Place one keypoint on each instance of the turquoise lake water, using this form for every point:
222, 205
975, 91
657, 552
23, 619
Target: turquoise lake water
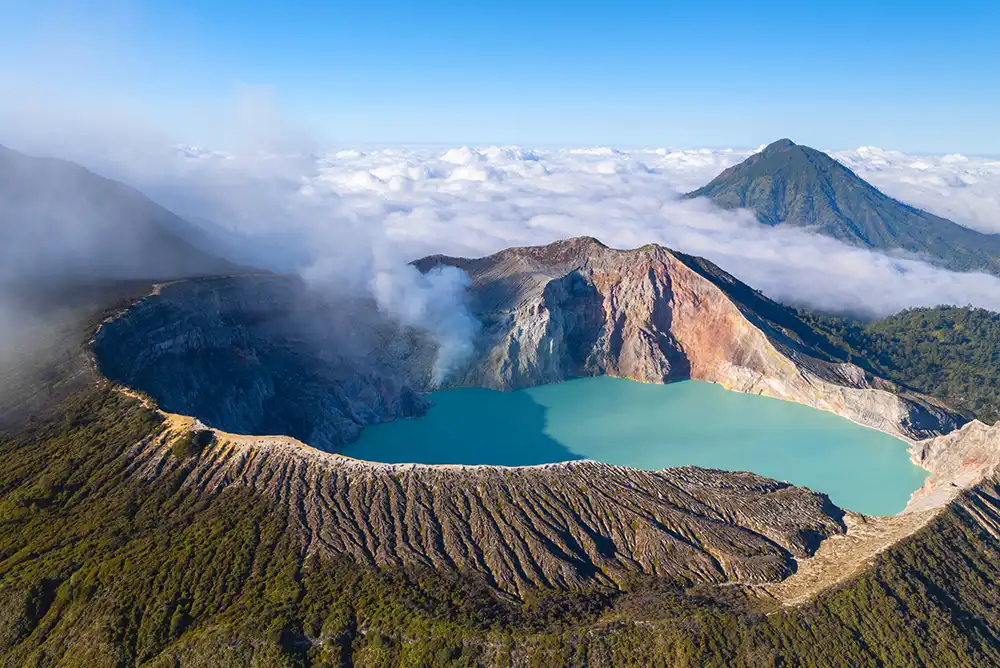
652, 427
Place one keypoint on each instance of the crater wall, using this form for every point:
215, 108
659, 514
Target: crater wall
265, 355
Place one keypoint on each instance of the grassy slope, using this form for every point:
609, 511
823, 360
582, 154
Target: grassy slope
98, 568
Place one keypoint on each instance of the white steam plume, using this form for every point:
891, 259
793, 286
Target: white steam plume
432, 301
354, 259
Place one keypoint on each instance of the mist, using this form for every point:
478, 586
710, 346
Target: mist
68, 226
355, 212
349, 221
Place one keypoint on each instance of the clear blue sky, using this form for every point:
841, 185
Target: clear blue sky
916, 76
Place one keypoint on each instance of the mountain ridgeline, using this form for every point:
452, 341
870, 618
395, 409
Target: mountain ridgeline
126, 540
73, 240
63, 223
790, 184
242, 354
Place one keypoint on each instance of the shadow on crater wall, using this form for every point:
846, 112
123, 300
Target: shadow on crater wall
470, 426
262, 355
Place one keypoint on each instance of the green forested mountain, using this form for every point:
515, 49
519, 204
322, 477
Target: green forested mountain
789, 184
949, 352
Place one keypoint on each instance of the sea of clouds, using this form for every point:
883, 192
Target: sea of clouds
963, 189
349, 220
310, 209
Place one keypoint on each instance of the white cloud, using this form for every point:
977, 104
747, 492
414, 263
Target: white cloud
292, 207
477, 200
961, 188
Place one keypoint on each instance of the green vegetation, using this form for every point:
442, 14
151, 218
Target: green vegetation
101, 567
790, 184
102, 564
51, 359
948, 352
192, 443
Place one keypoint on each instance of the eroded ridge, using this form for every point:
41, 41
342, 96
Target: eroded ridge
571, 525
981, 506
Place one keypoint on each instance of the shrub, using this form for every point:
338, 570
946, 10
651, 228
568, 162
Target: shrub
192, 443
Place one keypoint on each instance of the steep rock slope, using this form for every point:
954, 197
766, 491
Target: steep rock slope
264, 355
957, 461
579, 308
789, 184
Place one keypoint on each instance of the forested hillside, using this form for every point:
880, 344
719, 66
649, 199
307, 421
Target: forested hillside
100, 569
949, 352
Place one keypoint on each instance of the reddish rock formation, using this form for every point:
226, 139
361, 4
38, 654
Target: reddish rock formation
579, 308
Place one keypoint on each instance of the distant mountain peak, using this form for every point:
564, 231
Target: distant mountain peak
780, 144
791, 184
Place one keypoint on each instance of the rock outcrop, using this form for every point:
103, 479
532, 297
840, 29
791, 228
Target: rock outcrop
957, 461
579, 308
264, 355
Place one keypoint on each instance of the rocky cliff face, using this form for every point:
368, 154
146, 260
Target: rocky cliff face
957, 461
264, 355
579, 308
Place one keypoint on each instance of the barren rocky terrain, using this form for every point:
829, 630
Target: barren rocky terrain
572, 525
